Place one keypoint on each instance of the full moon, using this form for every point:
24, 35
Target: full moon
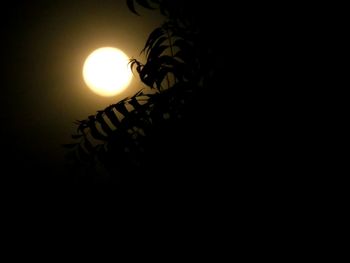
106, 71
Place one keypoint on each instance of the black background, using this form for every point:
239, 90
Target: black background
241, 142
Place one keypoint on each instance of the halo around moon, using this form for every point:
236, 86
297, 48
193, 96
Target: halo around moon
106, 71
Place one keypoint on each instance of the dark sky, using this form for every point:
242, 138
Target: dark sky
44, 45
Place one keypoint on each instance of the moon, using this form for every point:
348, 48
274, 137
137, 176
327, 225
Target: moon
106, 71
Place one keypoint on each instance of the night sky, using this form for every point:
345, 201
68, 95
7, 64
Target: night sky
239, 156
236, 166
44, 45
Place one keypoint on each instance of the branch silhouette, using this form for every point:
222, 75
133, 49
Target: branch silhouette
178, 67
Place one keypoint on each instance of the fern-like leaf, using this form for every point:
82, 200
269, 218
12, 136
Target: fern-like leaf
153, 37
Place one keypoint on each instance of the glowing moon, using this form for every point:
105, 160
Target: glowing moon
106, 71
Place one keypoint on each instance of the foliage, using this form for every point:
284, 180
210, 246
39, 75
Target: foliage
174, 72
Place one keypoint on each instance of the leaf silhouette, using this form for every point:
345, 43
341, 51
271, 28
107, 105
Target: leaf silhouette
155, 44
183, 45
156, 52
161, 76
95, 133
88, 146
130, 4
145, 4
153, 37
177, 63
105, 127
169, 60
135, 103
112, 117
121, 107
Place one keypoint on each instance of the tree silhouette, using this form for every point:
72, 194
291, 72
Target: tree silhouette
154, 128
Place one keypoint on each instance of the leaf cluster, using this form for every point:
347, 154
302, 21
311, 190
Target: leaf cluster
175, 70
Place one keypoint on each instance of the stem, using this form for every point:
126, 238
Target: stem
171, 53
170, 43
